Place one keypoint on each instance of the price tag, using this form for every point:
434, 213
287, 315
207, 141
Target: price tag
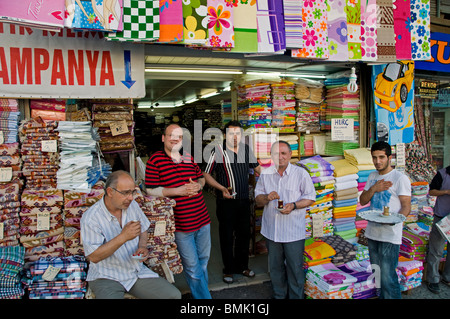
160, 228
50, 146
5, 174
2, 230
43, 221
317, 225
50, 273
118, 128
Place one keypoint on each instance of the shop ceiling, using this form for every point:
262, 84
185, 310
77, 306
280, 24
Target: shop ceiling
176, 75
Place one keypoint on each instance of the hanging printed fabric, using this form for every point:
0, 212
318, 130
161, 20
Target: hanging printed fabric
385, 32
195, 22
271, 36
46, 14
94, 15
220, 24
353, 9
170, 21
369, 30
140, 21
293, 23
337, 30
245, 27
420, 30
402, 13
315, 31
394, 101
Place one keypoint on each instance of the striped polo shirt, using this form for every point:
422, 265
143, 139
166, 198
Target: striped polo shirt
161, 171
232, 168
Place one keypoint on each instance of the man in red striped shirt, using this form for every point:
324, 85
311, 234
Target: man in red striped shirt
172, 174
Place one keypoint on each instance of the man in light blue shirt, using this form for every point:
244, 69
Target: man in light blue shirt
113, 232
284, 228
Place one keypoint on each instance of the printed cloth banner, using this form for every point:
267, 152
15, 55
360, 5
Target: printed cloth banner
420, 30
271, 36
369, 30
353, 9
140, 21
245, 27
94, 15
170, 21
402, 13
195, 22
394, 101
293, 23
42, 13
337, 30
385, 31
315, 31
220, 24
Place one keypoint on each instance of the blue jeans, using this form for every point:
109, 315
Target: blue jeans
194, 248
286, 269
384, 259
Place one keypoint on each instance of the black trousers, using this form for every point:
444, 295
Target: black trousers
234, 233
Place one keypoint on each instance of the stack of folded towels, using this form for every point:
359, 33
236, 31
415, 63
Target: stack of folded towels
345, 198
345, 251
413, 246
409, 273
364, 287
317, 252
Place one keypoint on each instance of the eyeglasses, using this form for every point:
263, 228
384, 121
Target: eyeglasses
126, 193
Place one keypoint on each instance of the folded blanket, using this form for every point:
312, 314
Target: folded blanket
343, 167
345, 185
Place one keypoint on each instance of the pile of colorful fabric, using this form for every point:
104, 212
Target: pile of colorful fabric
364, 287
419, 193
321, 173
77, 147
11, 265
362, 252
39, 152
409, 273
345, 198
75, 204
413, 246
9, 211
345, 251
115, 126
283, 106
9, 120
164, 258
362, 159
326, 281
57, 278
426, 215
41, 223
48, 109
292, 139
255, 104
317, 252
308, 117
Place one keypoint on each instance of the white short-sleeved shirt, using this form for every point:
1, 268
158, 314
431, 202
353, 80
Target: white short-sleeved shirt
401, 186
294, 185
99, 226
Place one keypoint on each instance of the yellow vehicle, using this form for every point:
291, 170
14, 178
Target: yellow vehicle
392, 86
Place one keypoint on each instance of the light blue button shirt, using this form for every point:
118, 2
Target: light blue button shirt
99, 226
294, 185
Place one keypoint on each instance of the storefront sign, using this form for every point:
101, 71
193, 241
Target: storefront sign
440, 54
443, 98
342, 130
428, 89
37, 63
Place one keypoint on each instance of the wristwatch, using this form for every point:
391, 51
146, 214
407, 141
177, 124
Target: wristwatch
295, 205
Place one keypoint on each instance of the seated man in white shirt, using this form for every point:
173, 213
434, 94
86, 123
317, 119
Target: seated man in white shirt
113, 230
284, 228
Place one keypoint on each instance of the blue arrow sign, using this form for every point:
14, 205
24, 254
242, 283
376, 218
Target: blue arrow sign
127, 61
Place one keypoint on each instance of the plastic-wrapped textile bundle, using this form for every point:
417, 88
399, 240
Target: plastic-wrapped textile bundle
66, 281
409, 273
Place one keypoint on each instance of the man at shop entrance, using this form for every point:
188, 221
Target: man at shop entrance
283, 224
172, 174
231, 162
113, 231
386, 187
